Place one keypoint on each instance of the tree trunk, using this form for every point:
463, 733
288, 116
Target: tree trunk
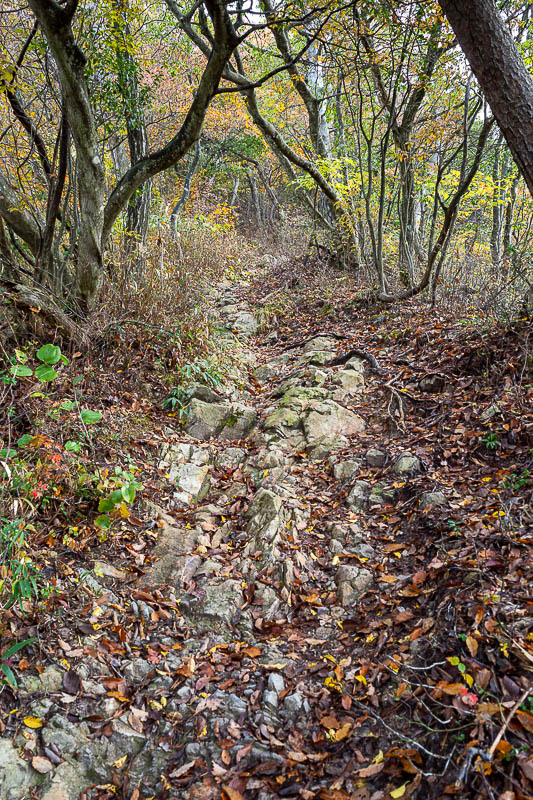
501, 72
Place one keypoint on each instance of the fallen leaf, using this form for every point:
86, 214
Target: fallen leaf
33, 722
71, 682
183, 770
233, 794
400, 791
371, 770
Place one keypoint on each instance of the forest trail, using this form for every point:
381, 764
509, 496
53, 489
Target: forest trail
275, 642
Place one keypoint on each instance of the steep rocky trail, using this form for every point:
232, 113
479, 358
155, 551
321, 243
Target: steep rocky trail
258, 666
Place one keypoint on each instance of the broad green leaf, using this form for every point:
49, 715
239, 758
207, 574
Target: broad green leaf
72, 447
68, 405
45, 373
24, 440
128, 493
103, 522
21, 371
90, 417
109, 503
106, 504
49, 353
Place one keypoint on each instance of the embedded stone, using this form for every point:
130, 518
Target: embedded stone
407, 464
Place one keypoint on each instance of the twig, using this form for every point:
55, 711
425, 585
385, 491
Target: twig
523, 697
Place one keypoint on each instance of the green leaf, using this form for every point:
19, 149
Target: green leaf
128, 493
103, 522
453, 660
16, 647
10, 675
20, 371
109, 503
24, 440
7, 452
77, 379
64, 359
45, 374
68, 405
73, 447
90, 417
106, 504
49, 353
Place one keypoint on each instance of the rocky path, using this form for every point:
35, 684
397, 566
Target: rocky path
241, 678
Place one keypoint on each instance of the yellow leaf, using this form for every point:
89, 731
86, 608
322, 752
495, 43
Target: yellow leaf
361, 679
379, 758
342, 733
33, 722
119, 763
400, 791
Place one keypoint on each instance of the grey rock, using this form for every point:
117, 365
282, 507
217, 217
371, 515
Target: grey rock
282, 418
50, 680
320, 357
126, 739
319, 449
276, 682
136, 671
433, 383
230, 421
350, 380
216, 609
358, 496
330, 419
68, 738
294, 703
407, 464
192, 482
192, 750
199, 392
376, 458
319, 343
266, 372
431, 499
351, 583
271, 699
16, 775
299, 397
362, 549
68, 782
230, 458
265, 515
344, 470
381, 495
244, 323
146, 768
